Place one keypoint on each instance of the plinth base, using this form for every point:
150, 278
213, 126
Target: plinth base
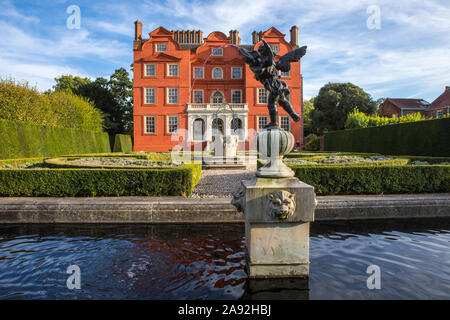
277, 213
271, 271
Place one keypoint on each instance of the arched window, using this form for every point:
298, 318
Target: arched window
217, 126
236, 128
199, 129
236, 124
217, 73
217, 97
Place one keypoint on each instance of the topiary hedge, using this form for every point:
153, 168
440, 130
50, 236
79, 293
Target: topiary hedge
22, 140
422, 138
99, 182
122, 143
334, 180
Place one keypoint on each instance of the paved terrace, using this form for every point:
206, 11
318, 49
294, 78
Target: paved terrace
209, 210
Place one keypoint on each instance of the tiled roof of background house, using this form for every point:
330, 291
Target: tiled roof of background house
409, 103
442, 101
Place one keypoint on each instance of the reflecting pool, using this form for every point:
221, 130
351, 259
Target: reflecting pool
208, 262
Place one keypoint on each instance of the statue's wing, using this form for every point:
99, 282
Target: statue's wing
249, 56
284, 64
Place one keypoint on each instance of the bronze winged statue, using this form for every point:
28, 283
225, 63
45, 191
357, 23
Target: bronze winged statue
266, 71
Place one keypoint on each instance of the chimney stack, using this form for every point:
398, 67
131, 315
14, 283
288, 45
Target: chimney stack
294, 36
254, 37
236, 34
137, 30
447, 88
234, 37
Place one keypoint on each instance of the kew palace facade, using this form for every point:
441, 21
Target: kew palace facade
188, 88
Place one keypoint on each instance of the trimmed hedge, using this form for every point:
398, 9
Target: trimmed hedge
334, 180
22, 140
18, 162
421, 138
99, 182
122, 143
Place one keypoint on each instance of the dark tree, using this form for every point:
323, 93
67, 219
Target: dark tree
113, 97
334, 102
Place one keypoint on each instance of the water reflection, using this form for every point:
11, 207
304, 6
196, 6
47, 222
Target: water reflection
208, 262
276, 289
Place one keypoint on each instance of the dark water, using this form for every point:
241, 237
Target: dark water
208, 262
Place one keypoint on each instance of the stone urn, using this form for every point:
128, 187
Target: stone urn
272, 144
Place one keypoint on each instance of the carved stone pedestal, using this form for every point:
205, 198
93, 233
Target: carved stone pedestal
277, 216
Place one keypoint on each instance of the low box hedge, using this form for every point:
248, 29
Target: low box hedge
18, 162
341, 180
177, 181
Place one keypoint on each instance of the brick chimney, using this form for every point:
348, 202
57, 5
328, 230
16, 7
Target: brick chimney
137, 30
294, 36
254, 37
234, 37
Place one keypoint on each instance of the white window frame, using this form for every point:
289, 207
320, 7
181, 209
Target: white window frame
168, 124
203, 96
257, 96
272, 46
288, 122
439, 114
154, 70
285, 76
240, 95
221, 72
158, 48
259, 117
240, 72
214, 52
168, 97
145, 125
212, 97
203, 72
168, 69
145, 96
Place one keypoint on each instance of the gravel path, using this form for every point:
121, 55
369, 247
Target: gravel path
220, 183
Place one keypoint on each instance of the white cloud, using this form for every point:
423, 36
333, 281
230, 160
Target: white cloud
36, 74
406, 57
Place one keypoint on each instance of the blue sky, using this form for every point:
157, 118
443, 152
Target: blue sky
408, 56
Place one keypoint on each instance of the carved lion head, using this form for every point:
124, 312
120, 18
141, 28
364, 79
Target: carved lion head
281, 204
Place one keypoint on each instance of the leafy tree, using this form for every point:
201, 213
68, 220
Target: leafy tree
121, 87
308, 106
113, 97
334, 102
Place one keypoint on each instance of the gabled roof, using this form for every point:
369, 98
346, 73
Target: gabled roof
161, 31
273, 33
409, 103
442, 101
163, 57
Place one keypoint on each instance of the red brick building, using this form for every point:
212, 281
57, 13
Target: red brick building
400, 107
190, 88
440, 106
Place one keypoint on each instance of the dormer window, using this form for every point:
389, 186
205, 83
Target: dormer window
217, 51
274, 48
161, 47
